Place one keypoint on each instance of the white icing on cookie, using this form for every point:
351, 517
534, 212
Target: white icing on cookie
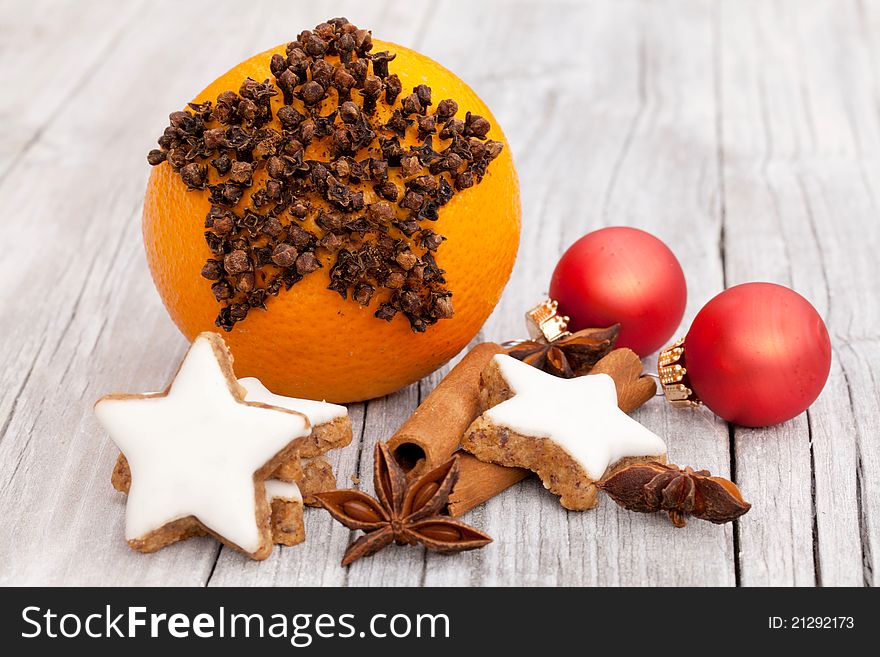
194, 450
318, 412
282, 490
580, 415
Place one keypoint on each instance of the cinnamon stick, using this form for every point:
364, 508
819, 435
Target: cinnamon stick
625, 367
479, 481
431, 435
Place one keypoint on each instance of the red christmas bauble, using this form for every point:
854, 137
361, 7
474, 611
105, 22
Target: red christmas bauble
757, 354
626, 276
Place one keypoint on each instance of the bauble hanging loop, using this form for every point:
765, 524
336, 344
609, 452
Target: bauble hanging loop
673, 376
544, 323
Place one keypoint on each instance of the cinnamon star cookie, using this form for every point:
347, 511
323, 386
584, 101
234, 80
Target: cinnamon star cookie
199, 455
569, 431
331, 429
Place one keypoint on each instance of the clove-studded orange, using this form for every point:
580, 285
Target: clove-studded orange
346, 208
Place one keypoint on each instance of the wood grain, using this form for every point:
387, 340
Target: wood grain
798, 196
743, 133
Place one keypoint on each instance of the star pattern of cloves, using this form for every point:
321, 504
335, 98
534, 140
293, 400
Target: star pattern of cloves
406, 513
324, 183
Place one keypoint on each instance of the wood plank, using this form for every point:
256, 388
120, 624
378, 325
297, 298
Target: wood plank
773, 465
93, 323
798, 124
641, 152
316, 562
840, 203
38, 75
34, 82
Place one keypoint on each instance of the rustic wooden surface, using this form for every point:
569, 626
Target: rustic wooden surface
744, 133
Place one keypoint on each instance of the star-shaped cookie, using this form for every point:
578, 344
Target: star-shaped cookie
331, 429
199, 455
569, 431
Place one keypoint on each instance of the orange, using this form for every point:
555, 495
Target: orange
310, 342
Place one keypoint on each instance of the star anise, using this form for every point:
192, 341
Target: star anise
650, 487
569, 356
405, 513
